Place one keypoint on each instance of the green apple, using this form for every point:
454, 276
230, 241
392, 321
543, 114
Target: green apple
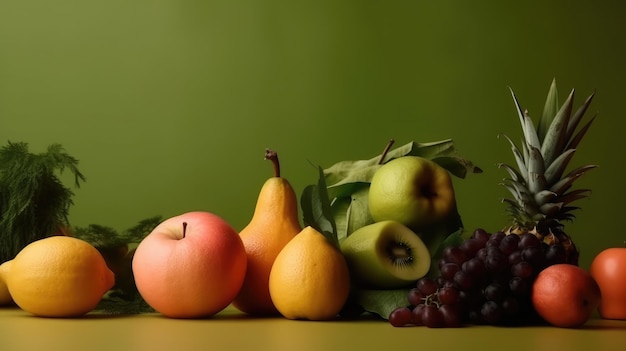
412, 190
385, 255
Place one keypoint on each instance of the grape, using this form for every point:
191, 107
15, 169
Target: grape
519, 286
452, 315
474, 267
515, 257
448, 270
400, 316
470, 299
495, 239
496, 262
522, 269
449, 296
471, 246
454, 254
474, 316
494, 292
481, 235
509, 244
415, 297
482, 254
510, 306
528, 240
491, 312
555, 254
432, 317
463, 280
534, 255
427, 286
416, 314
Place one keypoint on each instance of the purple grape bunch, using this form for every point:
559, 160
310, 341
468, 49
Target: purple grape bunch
487, 279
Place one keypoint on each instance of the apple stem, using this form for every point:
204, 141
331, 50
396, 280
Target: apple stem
184, 229
273, 156
387, 148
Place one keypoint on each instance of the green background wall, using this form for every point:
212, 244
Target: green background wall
169, 104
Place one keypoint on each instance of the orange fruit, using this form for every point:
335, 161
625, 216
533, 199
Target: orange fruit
608, 269
58, 276
274, 223
5, 296
565, 295
309, 278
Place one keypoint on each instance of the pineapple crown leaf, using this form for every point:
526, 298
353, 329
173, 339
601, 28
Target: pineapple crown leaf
557, 167
579, 114
520, 159
550, 109
556, 136
528, 128
545, 196
574, 195
581, 133
536, 170
515, 175
551, 209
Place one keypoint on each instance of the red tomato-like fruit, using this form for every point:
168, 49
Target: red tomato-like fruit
608, 269
565, 295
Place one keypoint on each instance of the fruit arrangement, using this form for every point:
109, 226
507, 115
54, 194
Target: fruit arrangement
494, 274
381, 236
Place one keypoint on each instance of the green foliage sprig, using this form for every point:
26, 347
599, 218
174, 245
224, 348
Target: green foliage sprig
34, 203
116, 248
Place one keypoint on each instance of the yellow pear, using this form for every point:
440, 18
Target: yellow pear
274, 223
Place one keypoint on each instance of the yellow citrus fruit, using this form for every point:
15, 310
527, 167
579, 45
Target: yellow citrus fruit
309, 278
5, 296
58, 276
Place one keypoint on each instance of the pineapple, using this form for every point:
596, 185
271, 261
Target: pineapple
541, 189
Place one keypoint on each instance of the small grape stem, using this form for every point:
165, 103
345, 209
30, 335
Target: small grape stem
384, 154
184, 229
273, 156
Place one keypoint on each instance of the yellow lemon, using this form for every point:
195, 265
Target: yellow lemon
309, 278
58, 276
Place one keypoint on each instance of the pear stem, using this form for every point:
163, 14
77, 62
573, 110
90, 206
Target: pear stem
387, 148
184, 229
273, 156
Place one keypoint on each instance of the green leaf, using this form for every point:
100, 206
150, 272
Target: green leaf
358, 214
381, 302
343, 178
456, 165
436, 252
316, 209
351, 212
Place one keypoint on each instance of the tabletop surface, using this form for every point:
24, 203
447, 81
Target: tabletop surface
232, 330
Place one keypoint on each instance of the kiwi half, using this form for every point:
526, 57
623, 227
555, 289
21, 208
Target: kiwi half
385, 255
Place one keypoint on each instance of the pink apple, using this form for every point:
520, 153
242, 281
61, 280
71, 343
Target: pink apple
190, 266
